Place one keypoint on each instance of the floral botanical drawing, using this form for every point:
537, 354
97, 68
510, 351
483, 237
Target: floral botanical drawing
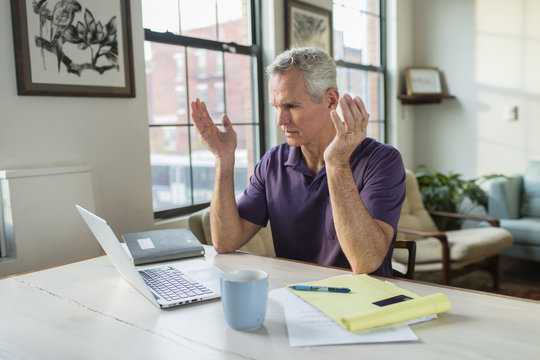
78, 40
310, 31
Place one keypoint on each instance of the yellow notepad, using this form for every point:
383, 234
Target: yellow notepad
355, 311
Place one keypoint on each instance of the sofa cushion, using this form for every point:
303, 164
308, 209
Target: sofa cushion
526, 231
531, 190
505, 197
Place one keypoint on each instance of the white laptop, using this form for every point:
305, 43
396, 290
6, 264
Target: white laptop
165, 285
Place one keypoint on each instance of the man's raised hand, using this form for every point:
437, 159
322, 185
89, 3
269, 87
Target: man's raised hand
350, 131
220, 143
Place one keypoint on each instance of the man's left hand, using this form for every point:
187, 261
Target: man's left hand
350, 131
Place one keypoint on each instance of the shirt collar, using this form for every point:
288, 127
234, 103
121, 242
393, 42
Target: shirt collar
295, 153
296, 161
295, 156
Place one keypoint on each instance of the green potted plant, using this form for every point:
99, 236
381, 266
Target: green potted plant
445, 192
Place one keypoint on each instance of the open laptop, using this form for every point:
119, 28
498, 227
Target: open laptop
187, 281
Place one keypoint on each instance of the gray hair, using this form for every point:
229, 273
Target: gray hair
318, 67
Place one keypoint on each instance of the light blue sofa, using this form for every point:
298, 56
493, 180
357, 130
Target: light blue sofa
516, 202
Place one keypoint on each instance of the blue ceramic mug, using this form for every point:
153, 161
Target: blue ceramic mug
244, 294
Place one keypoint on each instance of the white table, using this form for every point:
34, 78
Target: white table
85, 310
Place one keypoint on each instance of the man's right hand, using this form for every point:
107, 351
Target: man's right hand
229, 230
221, 143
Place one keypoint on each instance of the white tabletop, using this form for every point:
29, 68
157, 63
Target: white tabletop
85, 310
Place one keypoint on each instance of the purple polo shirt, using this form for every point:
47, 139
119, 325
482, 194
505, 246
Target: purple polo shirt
284, 191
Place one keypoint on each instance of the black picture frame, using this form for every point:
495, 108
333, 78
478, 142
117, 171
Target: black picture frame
308, 25
73, 47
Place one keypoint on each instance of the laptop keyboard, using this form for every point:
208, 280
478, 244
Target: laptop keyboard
172, 284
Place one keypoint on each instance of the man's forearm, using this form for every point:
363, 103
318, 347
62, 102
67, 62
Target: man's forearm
227, 228
364, 240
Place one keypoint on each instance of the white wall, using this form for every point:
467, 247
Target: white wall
108, 134
400, 54
488, 51
37, 217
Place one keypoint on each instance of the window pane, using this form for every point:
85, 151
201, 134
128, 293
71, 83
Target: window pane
356, 36
353, 82
246, 155
368, 85
161, 15
205, 71
239, 88
204, 163
198, 19
376, 96
169, 157
233, 21
166, 83
204, 168
183, 170
375, 130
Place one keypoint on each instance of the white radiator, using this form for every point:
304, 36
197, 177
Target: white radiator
38, 219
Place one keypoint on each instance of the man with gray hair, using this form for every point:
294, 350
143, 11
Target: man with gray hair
333, 196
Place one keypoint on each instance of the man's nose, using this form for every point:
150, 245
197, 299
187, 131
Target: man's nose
282, 117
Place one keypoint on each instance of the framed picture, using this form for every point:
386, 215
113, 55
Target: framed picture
423, 81
308, 25
73, 47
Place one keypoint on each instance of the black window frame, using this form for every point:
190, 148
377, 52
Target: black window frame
381, 69
254, 50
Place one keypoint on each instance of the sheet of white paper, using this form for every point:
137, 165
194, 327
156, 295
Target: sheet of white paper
307, 326
422, 319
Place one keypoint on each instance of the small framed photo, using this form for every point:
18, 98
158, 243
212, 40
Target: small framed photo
73, 47
308, 25
423, 81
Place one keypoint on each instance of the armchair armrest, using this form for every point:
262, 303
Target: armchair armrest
410, 245
439, 235
491, 220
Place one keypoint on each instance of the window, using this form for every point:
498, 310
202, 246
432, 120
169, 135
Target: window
360, 57
207, 49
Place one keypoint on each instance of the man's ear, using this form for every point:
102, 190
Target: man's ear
332, 96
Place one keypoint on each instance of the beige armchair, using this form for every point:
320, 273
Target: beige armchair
454, 252
262, 243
